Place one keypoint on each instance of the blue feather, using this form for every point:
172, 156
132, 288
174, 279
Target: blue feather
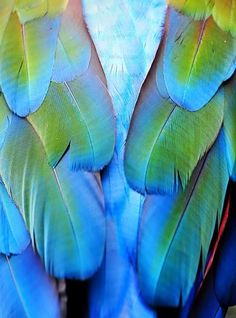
14, 237
25, 289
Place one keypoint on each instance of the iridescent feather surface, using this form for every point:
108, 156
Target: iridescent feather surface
117, 158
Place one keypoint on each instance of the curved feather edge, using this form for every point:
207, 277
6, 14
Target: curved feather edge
14, 237
81, 113
172, 139
192, 75
26, 290
63, 209
225, 261
206, 303
114, 289
26, 61
229, 124
30, 10
73, 51
198, 9
166, 269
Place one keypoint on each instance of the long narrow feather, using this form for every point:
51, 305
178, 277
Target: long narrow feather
73, 52
176, 231
63, 209
229, 124
25, 289
165, 142
14, 238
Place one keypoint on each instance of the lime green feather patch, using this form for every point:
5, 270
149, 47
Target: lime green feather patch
26, 61
28, 10
199, 9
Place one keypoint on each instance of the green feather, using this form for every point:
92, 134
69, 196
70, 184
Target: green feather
79, 114
165, 141
176, 231
229, 124
63, 209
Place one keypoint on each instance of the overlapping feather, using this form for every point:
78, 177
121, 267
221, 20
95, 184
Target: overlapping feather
198, 58
25, 288
165, 142
54, 203
176, 231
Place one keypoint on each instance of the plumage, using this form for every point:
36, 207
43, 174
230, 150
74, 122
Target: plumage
28, 10
229, 124
14, 238
197, 59
54, 203
117, 154
26, 290
173, 140
198, 9
224, 13
73, 52
26, 61
225, 261
166, 269
73, 109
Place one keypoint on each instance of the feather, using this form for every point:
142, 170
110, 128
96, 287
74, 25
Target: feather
28, 10
217, 291
63, 209
114, 291
176, 231
206, 303
229, 124
73, 52
6, 7
225, 263
224, 13
165, 141
121, 32
14, 237
80, 112
198, 9
197, 59
26, 61
26, 291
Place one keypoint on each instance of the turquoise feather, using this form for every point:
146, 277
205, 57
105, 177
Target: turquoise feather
167, 266
14, 238
26, 290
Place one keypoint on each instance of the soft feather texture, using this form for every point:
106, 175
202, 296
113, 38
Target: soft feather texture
115, 291
68, 232
225, 262
33, 9
198, 9
73, 52
6, 7
126, 35
229, 124
166, 268
206, 303
26, 290
26, 61
191, 73
165, 141
224, 13
121, 32
14, 237
80, 112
